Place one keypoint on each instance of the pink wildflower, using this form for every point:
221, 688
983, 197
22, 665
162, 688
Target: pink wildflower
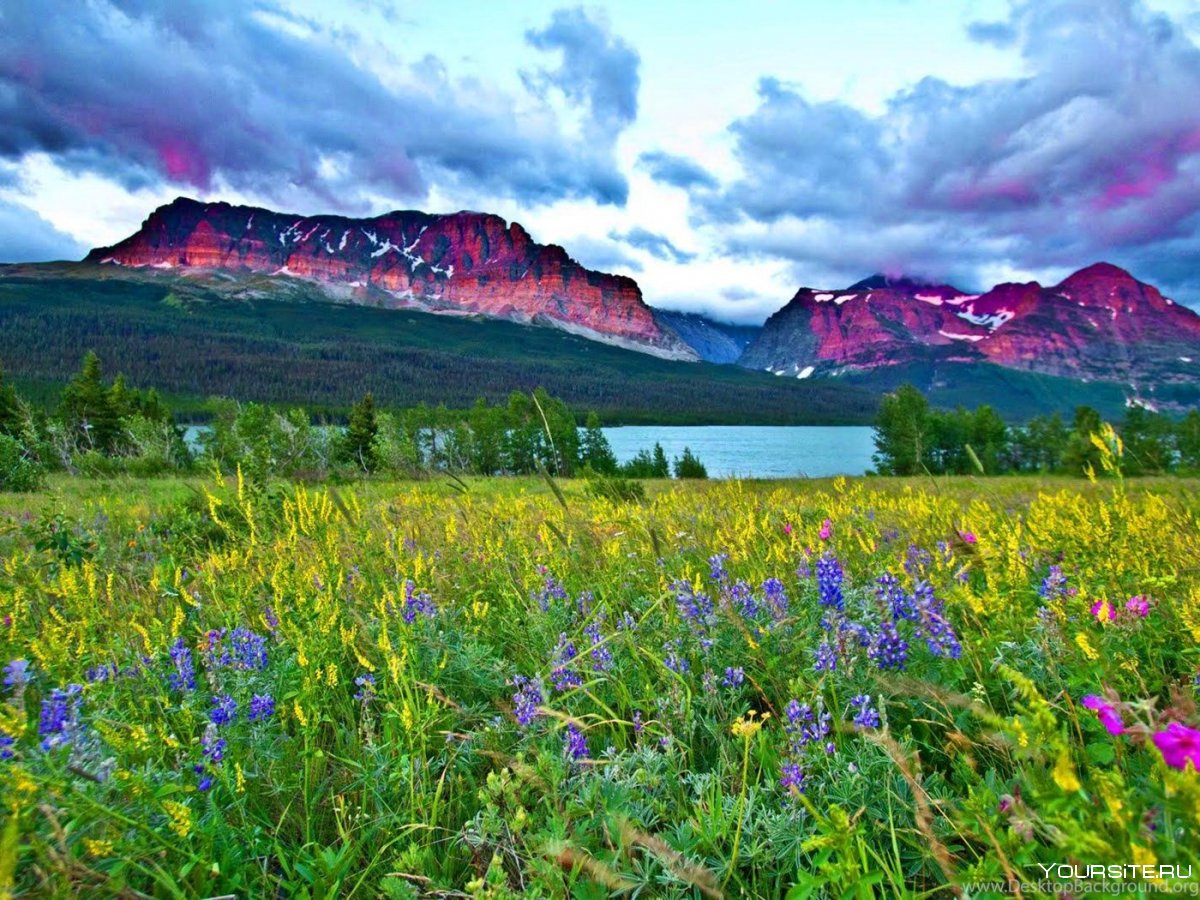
787, 528
1139, 606
1105, 712
1103, 611
968, 536
826, 529
1179, 746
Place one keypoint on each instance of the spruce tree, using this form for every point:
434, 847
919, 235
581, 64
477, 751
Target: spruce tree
594, 449
10, 408
86, 407
661, 469
359, 441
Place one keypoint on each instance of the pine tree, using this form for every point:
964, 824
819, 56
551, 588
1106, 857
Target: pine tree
86, 407
358, 443
689, 466
10, 408
661, 469
594, 449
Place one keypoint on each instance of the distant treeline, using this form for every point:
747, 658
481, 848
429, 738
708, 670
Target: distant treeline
106, 428
912, 438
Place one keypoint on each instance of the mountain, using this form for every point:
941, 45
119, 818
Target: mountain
1099, 325
465, 262
713, 341
195, 333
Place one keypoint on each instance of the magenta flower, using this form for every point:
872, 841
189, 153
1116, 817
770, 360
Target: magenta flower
787, 528
1139, 606
826, 529
1179, 745
1105, 712
968, 536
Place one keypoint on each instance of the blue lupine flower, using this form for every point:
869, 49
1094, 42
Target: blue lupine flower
16, 674
829, 582
716, 567
776, 597
893, 598
562, 675
627, 622
932, 625
917, 560
7, 741
827, 658
889, 651
214, 746
584, 602
366, 687
867, 716
224, 710
734, 676
673, 660
415, 603
792, 776
576, 742
804, 725
1054, 585
262, 706
270, 618
102, 672
551, 590
601, 654
743, 597
247, 650
694, 608
639, 726
804, 570
59, 719
184, 676
527, 699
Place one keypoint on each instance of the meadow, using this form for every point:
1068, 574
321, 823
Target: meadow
875, 687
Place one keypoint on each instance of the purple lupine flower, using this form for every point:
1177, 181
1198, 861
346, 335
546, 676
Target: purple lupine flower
262, 706
638, 725
271, 619
791, 776
366, 687
600, 653
827, 658
917, 559
184, 676
247, 650
527, 699
708, 682
550, 590
893, 598
932, 625
16, 674
576, 743
416, 603
627, 622
716, 567
103, 672
741, 595
7, 742
224, 710
1054, 585
562, 675
866, 716
58, 723
804, 569
584, 602
829, 582
673, 660
734, 677
888, 650
776, 597
694, 608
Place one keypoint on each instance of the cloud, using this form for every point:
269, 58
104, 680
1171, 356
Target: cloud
602, 255
657, 245
247, 97
27, 237
677, 171
1094, 154
598, 68
998, 34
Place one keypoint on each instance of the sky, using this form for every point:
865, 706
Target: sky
722, 154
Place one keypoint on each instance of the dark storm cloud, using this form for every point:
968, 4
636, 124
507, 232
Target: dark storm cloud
1094, 155
250, 96
677, 171
598, 68
27, 237
657, 245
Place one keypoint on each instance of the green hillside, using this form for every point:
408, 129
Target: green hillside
279, 341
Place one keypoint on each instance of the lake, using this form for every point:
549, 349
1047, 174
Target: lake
756, 451
739, 451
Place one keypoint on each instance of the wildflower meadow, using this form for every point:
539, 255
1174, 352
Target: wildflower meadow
512, 687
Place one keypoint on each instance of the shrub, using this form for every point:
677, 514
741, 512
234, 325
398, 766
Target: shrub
689, 466
20, 472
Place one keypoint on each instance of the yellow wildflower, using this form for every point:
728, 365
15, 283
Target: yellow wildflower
181, 817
